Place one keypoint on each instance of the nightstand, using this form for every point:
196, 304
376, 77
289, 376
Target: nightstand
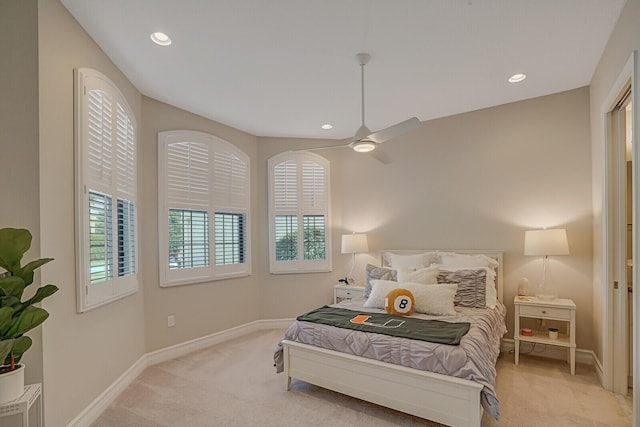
341, 292
561, 309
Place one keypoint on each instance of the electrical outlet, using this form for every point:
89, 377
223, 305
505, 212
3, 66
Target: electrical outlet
171, 321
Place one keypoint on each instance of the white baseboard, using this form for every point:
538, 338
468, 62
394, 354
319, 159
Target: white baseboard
91, 413
551, 351
102, 402
599, 369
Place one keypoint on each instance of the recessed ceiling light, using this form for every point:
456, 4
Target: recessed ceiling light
161, 38
517, 78
327, 126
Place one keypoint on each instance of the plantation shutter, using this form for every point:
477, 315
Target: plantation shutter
230, 177
127, 189
126, 152
230, 197
188, 175
99, 138
298, 202
204, 198
188, 201
314, 194
106, 190
285, 175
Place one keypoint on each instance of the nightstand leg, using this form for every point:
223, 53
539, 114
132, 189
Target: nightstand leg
517, 350
572, 353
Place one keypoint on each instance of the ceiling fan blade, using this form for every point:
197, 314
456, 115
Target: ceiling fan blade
302, 150
380, 155
393, 131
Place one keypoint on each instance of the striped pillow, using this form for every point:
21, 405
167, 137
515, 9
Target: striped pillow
378, 273
471, 283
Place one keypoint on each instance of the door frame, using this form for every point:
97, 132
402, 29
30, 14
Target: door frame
615, 330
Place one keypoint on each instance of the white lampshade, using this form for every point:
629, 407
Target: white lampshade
546, 242
354, 243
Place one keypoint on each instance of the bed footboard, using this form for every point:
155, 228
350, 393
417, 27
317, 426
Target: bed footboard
448, 400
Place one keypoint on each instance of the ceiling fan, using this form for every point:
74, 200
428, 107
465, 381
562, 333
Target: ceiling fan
364, 140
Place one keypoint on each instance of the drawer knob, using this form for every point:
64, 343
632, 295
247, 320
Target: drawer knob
544, 311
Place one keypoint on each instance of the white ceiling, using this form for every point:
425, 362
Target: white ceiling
285, 67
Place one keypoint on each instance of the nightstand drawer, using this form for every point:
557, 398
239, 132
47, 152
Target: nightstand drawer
546, 312
348, 293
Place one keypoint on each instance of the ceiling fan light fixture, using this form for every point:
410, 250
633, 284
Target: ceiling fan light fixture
363, 146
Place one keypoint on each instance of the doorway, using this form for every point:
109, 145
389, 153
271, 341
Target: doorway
621, 164
622, 237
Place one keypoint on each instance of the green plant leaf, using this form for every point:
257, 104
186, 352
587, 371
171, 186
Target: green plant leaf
28, 319
13, 245
20, 345
12, 286
26, 272
5, 348
12, 302
41, 293
6, 314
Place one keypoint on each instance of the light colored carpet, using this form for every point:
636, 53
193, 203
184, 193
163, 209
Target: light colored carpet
234, 384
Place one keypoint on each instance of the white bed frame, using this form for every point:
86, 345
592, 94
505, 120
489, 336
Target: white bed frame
441, 398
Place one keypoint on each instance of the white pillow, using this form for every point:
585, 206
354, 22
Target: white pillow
379, 290
425, 276
429, 299
465, 260
435, 299
397, 261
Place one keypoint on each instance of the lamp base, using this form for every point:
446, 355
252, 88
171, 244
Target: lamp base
546, 297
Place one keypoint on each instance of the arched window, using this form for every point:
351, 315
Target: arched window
106, 192
299, 223
204, 200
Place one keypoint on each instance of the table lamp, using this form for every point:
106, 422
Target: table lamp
546, 243
353, 244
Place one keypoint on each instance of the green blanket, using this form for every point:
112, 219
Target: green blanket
405, 327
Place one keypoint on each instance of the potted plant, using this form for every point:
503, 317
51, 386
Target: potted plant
17, 316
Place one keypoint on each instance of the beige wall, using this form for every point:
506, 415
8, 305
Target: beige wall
288, 295
19, 191
472, 181
624, 39
204, 308
82, 353
475, 180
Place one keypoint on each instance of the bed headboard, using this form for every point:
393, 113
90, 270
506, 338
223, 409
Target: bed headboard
495, 254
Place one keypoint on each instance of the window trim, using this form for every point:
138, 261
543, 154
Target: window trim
301, 265
176, 277
94, 295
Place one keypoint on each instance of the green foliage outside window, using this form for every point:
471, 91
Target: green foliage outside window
314, 248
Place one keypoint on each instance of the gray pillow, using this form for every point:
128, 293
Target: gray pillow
381, 273
472, 286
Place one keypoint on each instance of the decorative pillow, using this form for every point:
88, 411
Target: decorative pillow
399, 302
472, 285
379, 290
375, 273
465, 260
413, 261
491, 294
434, 299
425, 276
429, 299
